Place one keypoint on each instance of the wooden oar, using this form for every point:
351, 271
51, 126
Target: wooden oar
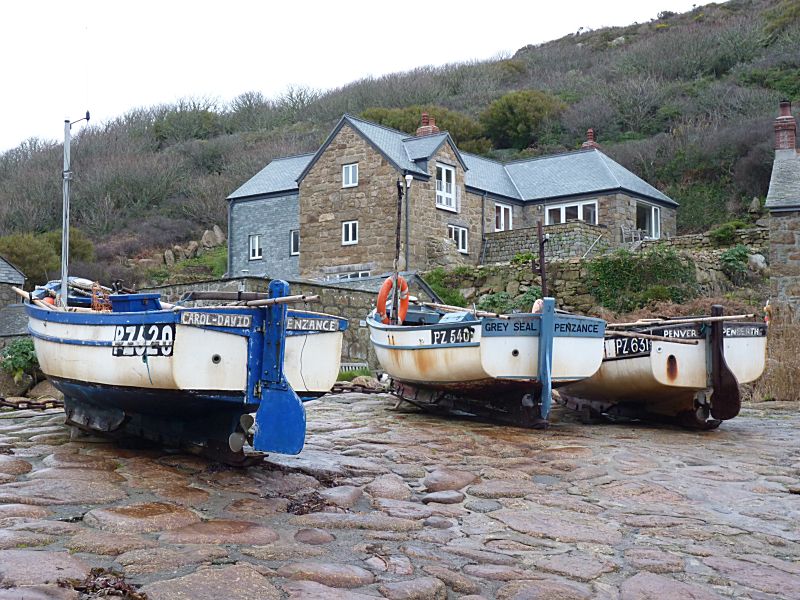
282, 300
477, 313
653, 323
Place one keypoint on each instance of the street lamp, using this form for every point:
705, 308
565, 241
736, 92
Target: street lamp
409, 178
67, 176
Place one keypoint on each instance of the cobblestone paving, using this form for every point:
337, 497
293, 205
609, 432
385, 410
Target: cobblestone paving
397, 504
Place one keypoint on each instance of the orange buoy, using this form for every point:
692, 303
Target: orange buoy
49, 300
383, 295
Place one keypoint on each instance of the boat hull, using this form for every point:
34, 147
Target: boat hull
668, 378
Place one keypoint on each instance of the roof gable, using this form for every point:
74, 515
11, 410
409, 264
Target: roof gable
10, 274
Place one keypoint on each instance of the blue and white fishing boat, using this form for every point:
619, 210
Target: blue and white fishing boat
129, 364
502, 366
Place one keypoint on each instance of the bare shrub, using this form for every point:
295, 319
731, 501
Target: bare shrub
781, 380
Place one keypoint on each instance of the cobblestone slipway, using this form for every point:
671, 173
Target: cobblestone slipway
397, 504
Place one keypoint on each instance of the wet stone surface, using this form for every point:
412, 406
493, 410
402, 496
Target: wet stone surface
393, 503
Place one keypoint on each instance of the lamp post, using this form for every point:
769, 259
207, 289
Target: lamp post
67, 177
409, 178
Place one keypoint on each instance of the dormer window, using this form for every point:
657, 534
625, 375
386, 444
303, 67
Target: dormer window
350, 175
446, 188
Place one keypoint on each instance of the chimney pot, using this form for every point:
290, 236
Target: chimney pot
786, 108
428, 125
590, 141
785, 128
425, 119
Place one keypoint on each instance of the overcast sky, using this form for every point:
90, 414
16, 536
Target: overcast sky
60, 57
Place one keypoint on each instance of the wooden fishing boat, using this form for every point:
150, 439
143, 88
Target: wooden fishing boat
501, 366
186, 377
688, 370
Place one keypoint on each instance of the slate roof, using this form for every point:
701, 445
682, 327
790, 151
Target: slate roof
278, 176
784, 184
585, 171
9, 273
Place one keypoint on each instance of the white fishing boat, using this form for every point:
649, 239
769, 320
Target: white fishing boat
503, 366
686, 369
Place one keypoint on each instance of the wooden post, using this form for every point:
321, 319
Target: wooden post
542, 266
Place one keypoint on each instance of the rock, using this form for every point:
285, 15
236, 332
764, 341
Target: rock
101, 542
503, 488
191, 249
208, 240
141, 518
178, 252
454, 580
10, 388
313, 536
757, 263
481, 556
311, 590
546, 589
755, 206
536, 524
237, 581
332, 574
422, 588
355, 521
22, 510
219, 236
648, 586
73, 460
403, 509
221, 532
17, 567
653, 560
483, 506
448, 479
783, 581
77, 475
283, 551
39, 592
262, 507
438, 523
496, 572
444, 497
23, 539
345, 496
43, 492
575, 566
366, 382
389, 486
167, 560
45, 389
11, 465
169, 258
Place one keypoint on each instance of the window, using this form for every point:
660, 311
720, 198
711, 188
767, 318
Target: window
349, 233
502, 217
350, 175
446, 188
574, 211
459, 235
353, 275
648, 220
255, 247
294, 242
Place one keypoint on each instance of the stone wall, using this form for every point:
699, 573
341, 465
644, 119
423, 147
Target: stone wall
756, 238
7, 295
352, 304
565, 240
784, 256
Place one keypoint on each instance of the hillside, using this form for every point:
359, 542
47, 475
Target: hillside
686, 101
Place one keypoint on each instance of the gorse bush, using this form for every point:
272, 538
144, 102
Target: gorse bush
445, 284
503, 302
624, 281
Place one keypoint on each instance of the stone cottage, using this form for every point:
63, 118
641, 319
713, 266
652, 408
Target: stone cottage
332, 214
783, 203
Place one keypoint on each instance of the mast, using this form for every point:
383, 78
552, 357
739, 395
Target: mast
67, 177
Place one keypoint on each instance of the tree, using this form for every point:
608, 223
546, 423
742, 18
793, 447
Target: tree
518, 119
31, 254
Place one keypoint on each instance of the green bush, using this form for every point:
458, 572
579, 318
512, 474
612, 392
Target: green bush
625, 281
725, 234
350, 375
518, 119
446, 286
734, 263
19, 358
502, 302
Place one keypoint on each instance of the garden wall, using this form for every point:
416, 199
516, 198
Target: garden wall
565, 241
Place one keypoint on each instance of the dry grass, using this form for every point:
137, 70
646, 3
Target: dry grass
781, 380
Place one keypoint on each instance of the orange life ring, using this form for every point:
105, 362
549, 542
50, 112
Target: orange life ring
383, 295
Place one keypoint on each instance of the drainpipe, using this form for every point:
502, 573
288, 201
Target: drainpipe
230, 229
483, 228
408, 223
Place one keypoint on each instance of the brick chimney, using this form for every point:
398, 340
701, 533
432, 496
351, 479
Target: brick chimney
785, 128
428, 126
590, 143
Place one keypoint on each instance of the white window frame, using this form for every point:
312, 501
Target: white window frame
353, 275
460, 235
349, 233
503, 208
350, 175
563, 208
294, 242
256, 252
655, 220
446, 200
